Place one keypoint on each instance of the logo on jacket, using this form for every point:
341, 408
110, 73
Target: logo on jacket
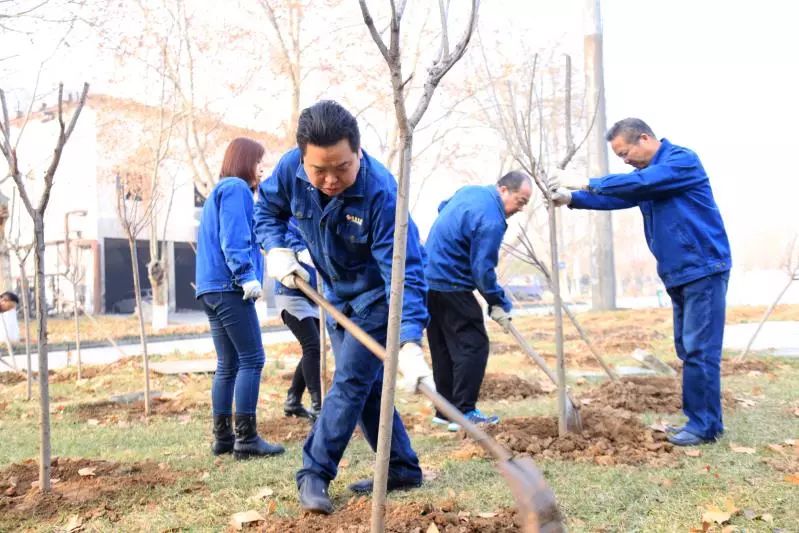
354, 219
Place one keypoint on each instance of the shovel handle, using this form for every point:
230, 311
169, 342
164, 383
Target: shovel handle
450, 411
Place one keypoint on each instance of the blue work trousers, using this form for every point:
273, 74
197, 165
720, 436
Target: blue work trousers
239, 351
699, 309
354, 398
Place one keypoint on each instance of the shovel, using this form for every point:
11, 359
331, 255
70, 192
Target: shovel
535, 501
573, 421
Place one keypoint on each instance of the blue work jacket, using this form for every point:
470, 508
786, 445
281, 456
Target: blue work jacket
682, 222
228, 254
351, 238
295, 242
463, 245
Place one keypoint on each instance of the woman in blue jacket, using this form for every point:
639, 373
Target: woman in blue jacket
302, 317
228, 273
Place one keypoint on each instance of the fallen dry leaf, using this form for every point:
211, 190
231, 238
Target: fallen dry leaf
749, 514
433, 528
714, 514
239, 520
486, 515
729, 529
93, 422
88, 471
741, 449
776, 448
344, 463
766, 517
205, 477
693, 452
271, 507
792, 478
746, 402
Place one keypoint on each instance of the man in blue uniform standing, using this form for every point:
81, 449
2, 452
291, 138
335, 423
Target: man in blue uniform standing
463, 251
685, 233
344, 202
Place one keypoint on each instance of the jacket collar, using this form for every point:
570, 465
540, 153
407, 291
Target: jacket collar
665, 146
498, 198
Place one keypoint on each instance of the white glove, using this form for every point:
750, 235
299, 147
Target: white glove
414, 368
282, 264
568, 180
305, 257
561, 197
499, 316
252, 290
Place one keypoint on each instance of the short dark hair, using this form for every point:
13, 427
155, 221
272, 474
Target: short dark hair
241, 158
630, 128
324, 124
8, 295
513, 180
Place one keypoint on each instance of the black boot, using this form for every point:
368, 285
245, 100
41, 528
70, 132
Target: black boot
316, 405
248, 444
313, 495
223, 435
294, 407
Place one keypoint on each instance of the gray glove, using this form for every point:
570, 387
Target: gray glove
499, 316
414, 368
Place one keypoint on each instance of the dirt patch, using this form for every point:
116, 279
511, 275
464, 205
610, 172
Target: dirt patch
609, 437
70, 373
284, 429
355, 516
11, 378
625, 340
112, 413
508, 387
639, 394
731, 366
91, 495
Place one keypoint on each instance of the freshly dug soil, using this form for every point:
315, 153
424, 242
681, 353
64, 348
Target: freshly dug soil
401, 517
284, 429
88, 495
508, 387
639, 394
109, 413
609, 437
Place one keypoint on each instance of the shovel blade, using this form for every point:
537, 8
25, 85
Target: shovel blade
535, 502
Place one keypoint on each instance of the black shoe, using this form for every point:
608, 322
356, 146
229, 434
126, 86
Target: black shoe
316, 405
248, 444
223, 434
365, 486
293, 407
313, 495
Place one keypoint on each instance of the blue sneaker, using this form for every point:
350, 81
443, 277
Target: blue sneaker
686, 438
475, 417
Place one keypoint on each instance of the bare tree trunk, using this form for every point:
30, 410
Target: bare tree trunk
134, 258
44, 381
77, 331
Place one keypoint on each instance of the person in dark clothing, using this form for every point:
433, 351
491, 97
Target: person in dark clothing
685, 232
463, 251
229, 270
301, 316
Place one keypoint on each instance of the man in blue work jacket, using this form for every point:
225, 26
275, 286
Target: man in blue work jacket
463, 251
685, 233
344, 203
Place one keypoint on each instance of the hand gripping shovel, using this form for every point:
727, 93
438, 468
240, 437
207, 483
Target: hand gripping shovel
535, 501
573, 420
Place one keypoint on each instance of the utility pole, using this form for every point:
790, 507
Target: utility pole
603, 275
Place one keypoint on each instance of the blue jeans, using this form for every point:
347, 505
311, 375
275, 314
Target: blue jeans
699, 308
239, 351
354, 399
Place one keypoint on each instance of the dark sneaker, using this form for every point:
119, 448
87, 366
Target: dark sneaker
366, 486
686, 438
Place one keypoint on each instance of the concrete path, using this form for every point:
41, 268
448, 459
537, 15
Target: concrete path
776, 338
109, 354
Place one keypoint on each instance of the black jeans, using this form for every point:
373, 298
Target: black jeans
458, 346
307, 372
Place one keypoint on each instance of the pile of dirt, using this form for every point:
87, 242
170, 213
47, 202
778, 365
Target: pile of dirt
284, 429
401, 517
508, 387
625, 340
639, 394
70, 373
731, 367
609, 437
11, 378
78, 485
